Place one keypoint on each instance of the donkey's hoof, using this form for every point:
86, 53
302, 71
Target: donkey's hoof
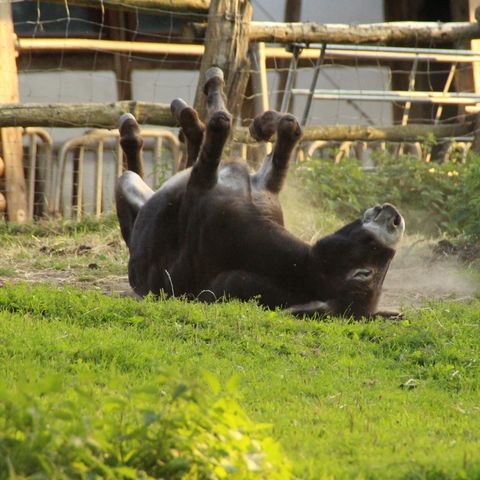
213, 77
288, 127
220, 122
264, 126
126, 120
214, 72
177, 106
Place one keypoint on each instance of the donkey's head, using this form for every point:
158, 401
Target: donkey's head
352, 262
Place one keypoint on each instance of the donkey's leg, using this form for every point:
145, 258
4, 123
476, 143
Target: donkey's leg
191, 126
131, 192
204, 171
131, 142
273, 171
245, 286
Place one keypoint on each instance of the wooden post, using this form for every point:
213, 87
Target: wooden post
117, 30
259, 102
468, 78
11, 138
226, 46
291, 13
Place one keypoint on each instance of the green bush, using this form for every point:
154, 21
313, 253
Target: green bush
166, 429
434, 198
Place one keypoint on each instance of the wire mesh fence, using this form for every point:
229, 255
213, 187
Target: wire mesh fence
72, 53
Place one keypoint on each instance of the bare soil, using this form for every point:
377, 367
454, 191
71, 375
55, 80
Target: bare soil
420, 273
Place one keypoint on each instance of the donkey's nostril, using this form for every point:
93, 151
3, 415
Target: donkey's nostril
397, 220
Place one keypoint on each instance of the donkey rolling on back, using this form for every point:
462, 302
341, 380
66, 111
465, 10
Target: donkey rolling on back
215, 230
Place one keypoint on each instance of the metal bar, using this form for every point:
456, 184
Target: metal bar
313, 85
384, 49
31, 174
42, 45
394, 96
79, 205
408, 105
157, 159
263, 75
96, 139
439, 111
446, 88
119, 158
292, 70
47, 175
392, 93
99, 179
348, 52
354, 105
411, 88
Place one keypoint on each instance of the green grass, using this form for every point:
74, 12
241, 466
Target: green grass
344, 399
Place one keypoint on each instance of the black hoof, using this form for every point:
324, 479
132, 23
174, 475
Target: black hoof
220, 122
177, 106
128, 125
289, 128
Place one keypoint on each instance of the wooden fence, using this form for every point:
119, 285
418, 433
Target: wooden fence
231, 21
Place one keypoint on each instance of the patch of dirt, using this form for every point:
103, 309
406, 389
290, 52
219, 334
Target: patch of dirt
420, 273
423, 270
465, 252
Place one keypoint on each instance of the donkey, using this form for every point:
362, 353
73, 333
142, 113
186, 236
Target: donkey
216, 230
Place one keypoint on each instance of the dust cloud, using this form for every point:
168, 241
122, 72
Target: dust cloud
416, 275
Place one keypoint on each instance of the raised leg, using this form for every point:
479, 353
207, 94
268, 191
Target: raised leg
204, 171
131, 142
192, 128
310, 309
131, 193
245, 286
273, 171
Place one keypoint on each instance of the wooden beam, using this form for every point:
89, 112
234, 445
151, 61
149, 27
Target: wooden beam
65, 46
226, 46
473, 8
391, 32
408, 133
153, 6
11, 138
105, 115
87, 115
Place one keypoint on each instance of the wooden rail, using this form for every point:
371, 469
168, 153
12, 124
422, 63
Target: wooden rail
56, 45
154, 6
281, 32
333, 52
87, 115
391, 32
106, 115
398, 133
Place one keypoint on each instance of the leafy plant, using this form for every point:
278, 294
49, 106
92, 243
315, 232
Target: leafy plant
164, 429
434, 198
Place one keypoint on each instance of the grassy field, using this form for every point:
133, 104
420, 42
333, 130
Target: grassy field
88, 375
